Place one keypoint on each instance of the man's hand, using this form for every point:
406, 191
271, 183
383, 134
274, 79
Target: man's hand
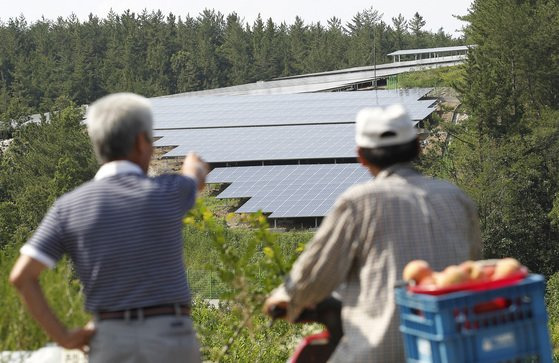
77, 338
195, 167
275, 307
25, 278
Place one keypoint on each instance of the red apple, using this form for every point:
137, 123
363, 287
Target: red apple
416, 270
428, 280
451, 275
473, 270
506, 267
489, 270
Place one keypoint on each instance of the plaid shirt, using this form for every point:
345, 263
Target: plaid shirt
361, 249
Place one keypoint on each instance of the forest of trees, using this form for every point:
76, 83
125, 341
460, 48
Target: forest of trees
155, 54
504, 155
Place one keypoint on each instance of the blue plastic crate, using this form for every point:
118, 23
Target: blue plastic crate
507, 324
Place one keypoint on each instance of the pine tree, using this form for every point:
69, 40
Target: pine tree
236, 52
298, 46
362, 35
317, 59
188, 76
209, 37
416, 25
265, 52
400, 32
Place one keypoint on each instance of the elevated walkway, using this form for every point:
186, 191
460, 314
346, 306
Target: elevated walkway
429, 53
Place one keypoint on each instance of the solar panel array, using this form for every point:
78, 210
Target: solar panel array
289, 191
262, 143
239, 128
274, 128
307, 108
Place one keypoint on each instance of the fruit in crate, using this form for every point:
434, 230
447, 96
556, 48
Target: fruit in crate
506, 267
428, 281
469, 275
489, 271
451, 275
474, 270
417, 270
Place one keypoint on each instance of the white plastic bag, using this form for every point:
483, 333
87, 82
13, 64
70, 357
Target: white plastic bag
56, 354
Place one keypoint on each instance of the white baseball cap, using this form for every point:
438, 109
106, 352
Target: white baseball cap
383, 126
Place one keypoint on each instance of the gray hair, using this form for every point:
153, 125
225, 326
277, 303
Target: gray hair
114, 121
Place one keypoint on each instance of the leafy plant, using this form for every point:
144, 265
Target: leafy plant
62, 290
250, 268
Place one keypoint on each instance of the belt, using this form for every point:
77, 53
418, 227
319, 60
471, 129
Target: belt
150, 311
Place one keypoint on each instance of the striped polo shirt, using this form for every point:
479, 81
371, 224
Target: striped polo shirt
123, 232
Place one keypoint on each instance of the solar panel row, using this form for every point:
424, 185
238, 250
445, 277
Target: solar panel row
289, 191
262, 143
317, 128
308, 108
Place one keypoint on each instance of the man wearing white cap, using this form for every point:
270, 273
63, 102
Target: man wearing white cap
372, 232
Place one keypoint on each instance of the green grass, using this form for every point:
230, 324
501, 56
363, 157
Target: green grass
17, 330
200, 257
254, 342
437, 77
552, 300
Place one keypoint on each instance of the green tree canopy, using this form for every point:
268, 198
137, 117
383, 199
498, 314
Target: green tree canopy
156, 54
505, 153
44, 161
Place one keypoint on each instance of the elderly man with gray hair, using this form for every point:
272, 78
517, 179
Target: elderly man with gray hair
372, 232
123, 232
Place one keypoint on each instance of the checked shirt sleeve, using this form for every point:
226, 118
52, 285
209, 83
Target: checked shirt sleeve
325, 262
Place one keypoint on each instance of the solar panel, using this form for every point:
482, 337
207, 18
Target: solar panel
262, 143
308, 108
289, 191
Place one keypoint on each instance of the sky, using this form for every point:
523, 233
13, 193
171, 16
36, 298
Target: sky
436, 13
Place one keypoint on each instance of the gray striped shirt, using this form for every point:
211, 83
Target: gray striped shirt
362, 246
123, 232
